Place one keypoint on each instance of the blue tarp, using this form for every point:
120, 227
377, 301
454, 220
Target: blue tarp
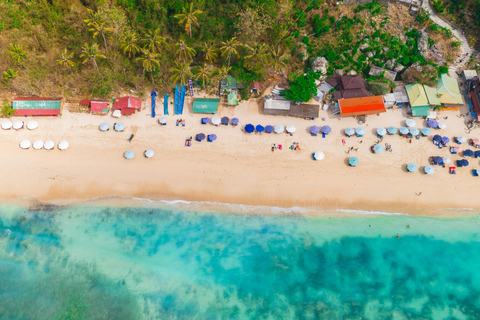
153, 94
177, 99
182, 100
165, 104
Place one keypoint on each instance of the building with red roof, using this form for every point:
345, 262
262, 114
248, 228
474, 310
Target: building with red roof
37, 106
127, 105
361, 106
96, 106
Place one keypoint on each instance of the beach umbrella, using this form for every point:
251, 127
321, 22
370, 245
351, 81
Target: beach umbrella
468, 153
249, 128
63, 145
319, 155
476, 142
291, 129
259, 128
269, 129
216, 120
32, 125
326, 129
414, 131
457, 149
119, 126
403, 130
25, 144
381, 131
37, 145
445, 140
149, 153
429, 170
442, 125
200, 136
6, 125
426, 131
410, 123
437, 138
129, 154
462, 163
205, 120
163, 120
353, 161
477, 153
314, 129
18, 125
377, 148
48, 145
235, 121
105, 126
432, 123
412, 167
392, 130
446, 160
461, 139
349, 131
438, 160
117, 113
225, 120
279, 128
212, 137
360, 131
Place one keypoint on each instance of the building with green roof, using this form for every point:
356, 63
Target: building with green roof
448, 92
418, 100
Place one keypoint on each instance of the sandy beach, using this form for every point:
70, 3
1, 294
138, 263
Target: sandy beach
237, 168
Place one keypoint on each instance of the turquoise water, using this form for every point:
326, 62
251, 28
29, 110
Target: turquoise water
140, 263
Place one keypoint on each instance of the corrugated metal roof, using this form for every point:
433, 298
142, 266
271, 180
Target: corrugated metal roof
447, 88
36, 99
432, 95
421, 111
361, 106
279, 104
38, 112
127, 102
205, 105
416, 95
36, 104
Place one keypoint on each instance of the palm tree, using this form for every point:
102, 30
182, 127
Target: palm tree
257, 54
204, 73
99, 28
187, 18
129, 43
229, 47
181, 71
66, 59
153, 40
277, 60
184, 52
223, 73
91, 53
210, 53
17, 52
149, 60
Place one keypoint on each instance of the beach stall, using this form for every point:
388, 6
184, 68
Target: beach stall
429, 170
99, 107
249, 128
129, 154
411, 167
25, 144
37, 106
361, 106
353, 161
105, 126
149, 153
314, 130
7, 125
319, 155
127, 105
205, 105
418, 100
279, 128
349, 132
32, 125
63, 145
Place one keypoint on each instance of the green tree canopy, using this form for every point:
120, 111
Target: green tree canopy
302, 87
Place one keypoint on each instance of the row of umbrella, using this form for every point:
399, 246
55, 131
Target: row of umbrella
48, 145
17, 125
412, 167
325, 129
211, 137
118, 126
439, 139
360, 131
249, 128
129, 154
217, 120
436, 125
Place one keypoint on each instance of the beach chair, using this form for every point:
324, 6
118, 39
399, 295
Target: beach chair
313, 156
475, 172
323, 135
452, 150
188, 142
452, 170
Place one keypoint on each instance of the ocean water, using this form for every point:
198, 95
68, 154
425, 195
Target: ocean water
169, 263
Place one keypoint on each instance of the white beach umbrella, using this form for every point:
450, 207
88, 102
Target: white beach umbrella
461, 139
319, 155
279, 128
291, 129
410, 123
32, 125
162, 120
63, 145
18, 125
105, 126
446, 160
442, 125
7, 125
117, 114
25, 144
129, 154
48, 145
119, 126
216, 121
149, 153
37, 145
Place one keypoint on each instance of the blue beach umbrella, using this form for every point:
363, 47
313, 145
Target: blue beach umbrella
211, 137
326, 129
269, 129
477, 153
404, 130
462, 163
349, 131
249, 128
200, 137
445, 140
429, 170
437, 138
468, 153
206, 120
377, 148
392, 130
414, 132
381, 131
235, 121
129, 154
225, 120
360, 131
412, 167
353, 161
426, 131
432, 123
438, 160
314, 129
259, 128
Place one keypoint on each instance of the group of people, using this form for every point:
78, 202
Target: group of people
276, 146
295, 146
180, 122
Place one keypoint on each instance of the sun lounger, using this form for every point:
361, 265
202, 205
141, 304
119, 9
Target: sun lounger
188, 143
475, 172
452, 150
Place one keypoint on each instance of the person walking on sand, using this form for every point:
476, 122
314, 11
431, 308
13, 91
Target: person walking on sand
343, 141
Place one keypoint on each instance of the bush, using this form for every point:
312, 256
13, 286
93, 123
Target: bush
303, 87
7, 109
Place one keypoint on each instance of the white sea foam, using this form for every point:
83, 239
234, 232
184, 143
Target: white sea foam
371, 212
